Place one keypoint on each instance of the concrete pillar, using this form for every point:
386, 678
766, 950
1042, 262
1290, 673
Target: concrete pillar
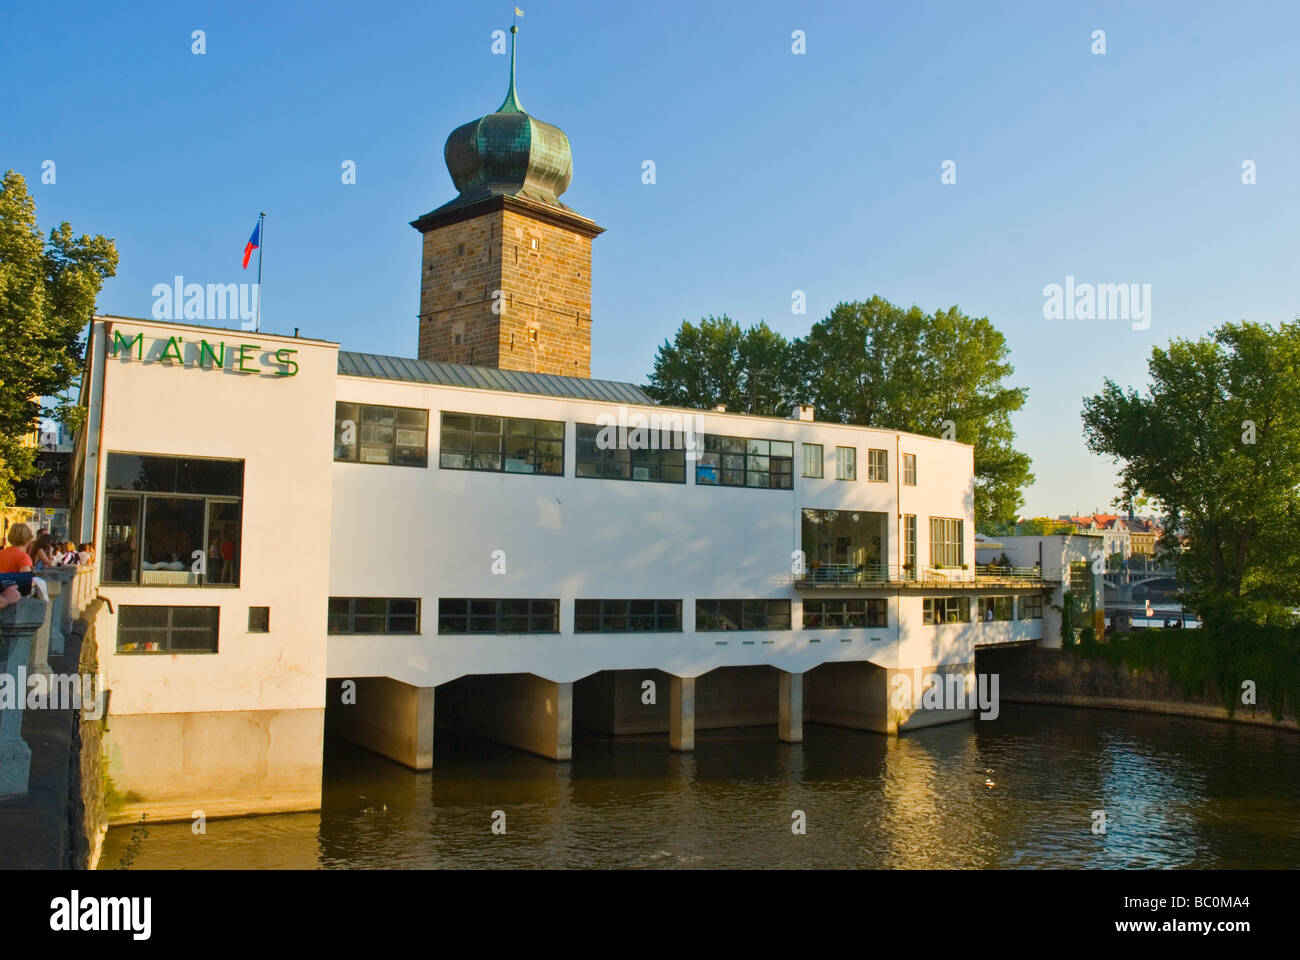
18, 624
388, 717
790, 707
56, 585
681, 713
40, 660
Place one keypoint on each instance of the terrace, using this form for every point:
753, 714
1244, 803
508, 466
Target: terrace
831, 576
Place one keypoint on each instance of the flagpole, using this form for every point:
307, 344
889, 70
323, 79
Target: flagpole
261, 236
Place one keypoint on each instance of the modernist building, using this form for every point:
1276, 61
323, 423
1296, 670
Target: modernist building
298, 540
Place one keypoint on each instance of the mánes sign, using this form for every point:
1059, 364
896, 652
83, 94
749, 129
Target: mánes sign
239, 358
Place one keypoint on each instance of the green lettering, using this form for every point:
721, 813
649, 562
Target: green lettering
121, 341
173, 350
280, 355
218, 359
242, 355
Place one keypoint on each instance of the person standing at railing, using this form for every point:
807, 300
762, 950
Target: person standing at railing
15, 558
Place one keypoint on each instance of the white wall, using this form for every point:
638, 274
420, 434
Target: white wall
430, 533
282, 428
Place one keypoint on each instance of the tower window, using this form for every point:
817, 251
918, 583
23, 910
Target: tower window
460, 250
533, 243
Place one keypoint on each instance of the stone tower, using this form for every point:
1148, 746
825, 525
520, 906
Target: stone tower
505, 275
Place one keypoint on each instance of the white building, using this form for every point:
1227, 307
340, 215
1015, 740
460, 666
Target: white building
295, 539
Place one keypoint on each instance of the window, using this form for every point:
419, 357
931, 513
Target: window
909, 546
167, 629
877, 466
1031, 608
498, 616
856, 612
741, 462
994, 608
1080, 578
365, 433
814, 459
374, 615
259, 619
713, 615
945, 610
172, 521
846, 463
502, 444
601, 456
626, 616
909, 469
947, 542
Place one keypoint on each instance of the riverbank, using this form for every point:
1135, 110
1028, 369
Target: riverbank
1068, 678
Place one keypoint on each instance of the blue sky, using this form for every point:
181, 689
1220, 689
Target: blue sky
776, 172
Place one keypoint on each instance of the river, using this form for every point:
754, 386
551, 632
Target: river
1016, 792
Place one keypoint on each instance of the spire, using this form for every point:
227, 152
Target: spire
511, 102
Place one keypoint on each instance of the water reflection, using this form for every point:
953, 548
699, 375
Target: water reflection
1019, 791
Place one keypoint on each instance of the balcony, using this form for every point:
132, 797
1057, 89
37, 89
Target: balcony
885, 576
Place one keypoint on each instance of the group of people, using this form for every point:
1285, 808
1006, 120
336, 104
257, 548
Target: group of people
29, 553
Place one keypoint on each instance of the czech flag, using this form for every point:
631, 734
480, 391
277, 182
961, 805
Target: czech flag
254, 242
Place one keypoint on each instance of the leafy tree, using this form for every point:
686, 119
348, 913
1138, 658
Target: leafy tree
717, 362
1215, 441
47, 296
880, 365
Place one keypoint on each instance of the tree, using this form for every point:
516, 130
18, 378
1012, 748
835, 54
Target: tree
719, 363
1215, 441
879, 365
47, 296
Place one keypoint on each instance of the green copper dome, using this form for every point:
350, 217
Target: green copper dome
509, 153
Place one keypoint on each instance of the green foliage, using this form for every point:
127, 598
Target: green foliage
47, 296
1069, 611
1215, 660
1215, 441
868, 363
717, 362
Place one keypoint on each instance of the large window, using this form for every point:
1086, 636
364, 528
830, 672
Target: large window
374, 615
853, 612
626, 616
498, 616
994, 608
814, 459
172, 521
909, 546
846, 463
742, 462
502, 444
608, 461
713, 615
877, 465
945, 610
839, 542
909, 469
947, 542
366, 433
1031, 608
143, 629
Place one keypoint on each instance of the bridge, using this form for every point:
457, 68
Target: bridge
1136, 586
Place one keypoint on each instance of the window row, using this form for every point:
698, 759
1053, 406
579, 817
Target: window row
936, 610
168, 629
371, 433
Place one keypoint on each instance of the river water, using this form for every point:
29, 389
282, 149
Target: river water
1018, 791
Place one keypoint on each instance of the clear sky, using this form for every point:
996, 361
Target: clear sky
775, 172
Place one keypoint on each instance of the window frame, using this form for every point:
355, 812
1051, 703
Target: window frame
170, 628
997, 600
636, 459
141, 500
873, 615
941, 544
472, 453
846, 463
716, 450
388, 616
474, 608
360, 423
664, 613
819, 461
909, 469
750, 611
961, 604
877, 466
1034, 602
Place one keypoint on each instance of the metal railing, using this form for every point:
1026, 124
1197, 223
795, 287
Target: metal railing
846, 574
